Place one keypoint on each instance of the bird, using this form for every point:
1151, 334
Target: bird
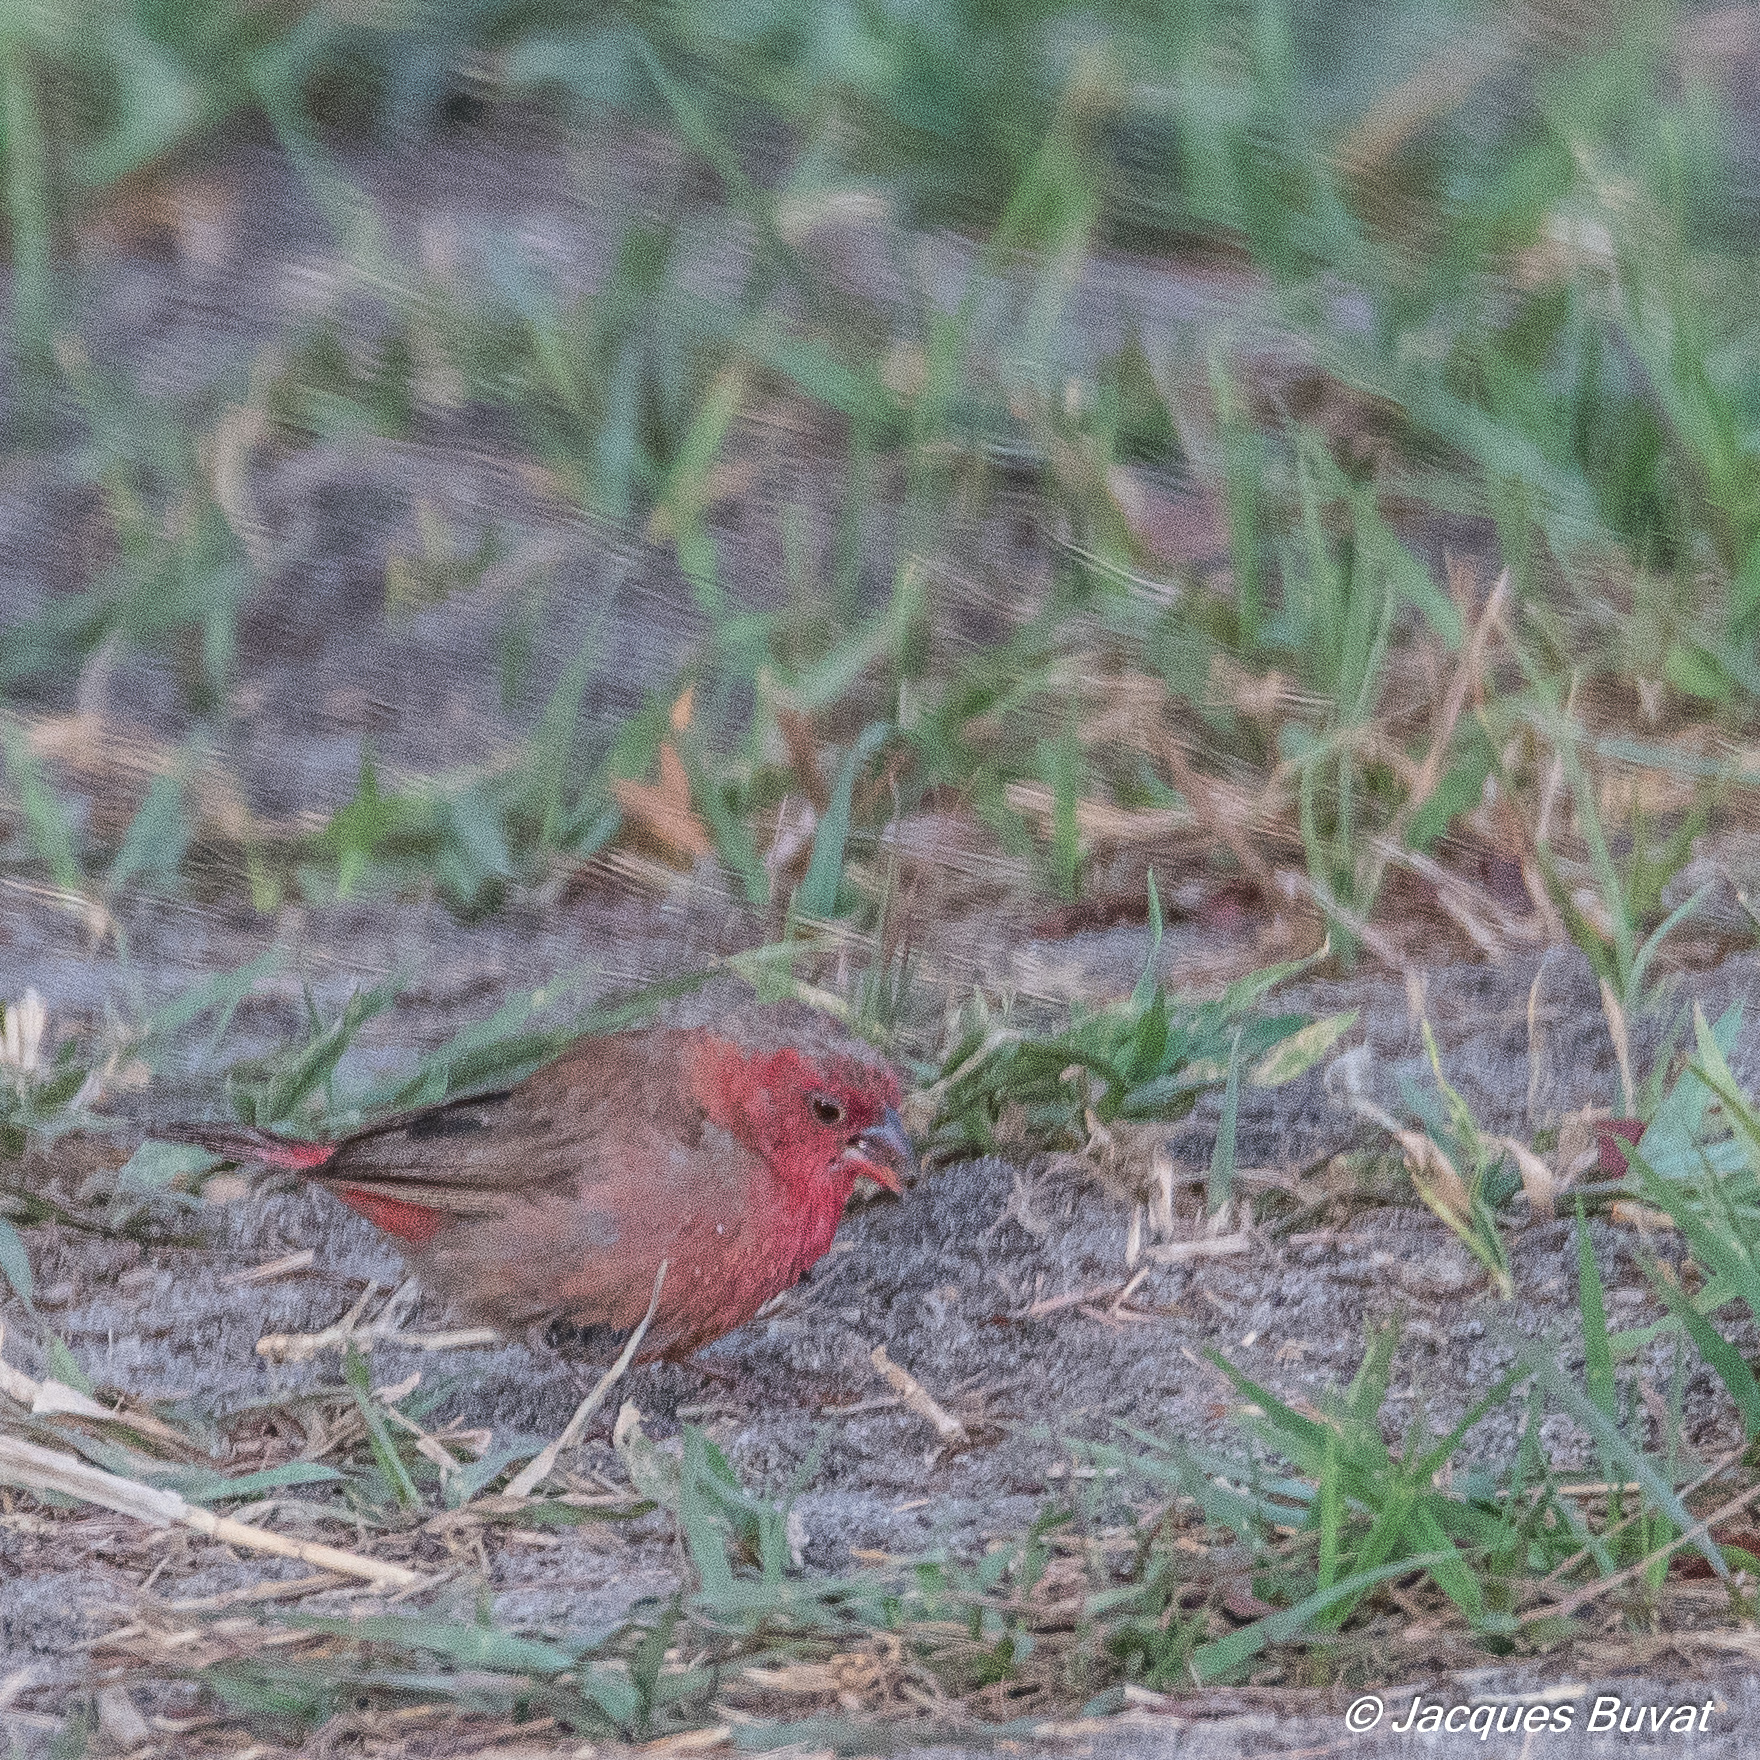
726, 1152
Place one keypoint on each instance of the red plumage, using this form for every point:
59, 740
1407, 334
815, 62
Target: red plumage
728, 1151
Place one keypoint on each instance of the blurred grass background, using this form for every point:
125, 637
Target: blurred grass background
1463, 420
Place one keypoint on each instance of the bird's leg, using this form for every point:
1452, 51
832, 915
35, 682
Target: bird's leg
581, 1343
715, 1372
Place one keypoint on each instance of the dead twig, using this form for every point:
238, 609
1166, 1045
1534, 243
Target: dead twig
1056, 1304
300, 1347
918, 1397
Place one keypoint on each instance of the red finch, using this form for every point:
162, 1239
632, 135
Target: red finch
727, 1151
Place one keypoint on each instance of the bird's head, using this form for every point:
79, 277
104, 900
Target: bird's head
820, 1108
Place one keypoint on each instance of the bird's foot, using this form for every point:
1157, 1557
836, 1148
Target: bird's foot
578, 1343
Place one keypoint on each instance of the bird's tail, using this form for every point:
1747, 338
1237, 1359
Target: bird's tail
243, 1142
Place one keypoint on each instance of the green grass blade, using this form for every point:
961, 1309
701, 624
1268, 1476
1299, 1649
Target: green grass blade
1331, 1512
1222, 1156
15, 1261
471, 1646
50, 828
1213, 1660
1298, 1053
1722, 1356
1537, 1355
356, 1373
1598, 1364
817, 896
29, 221
157, 836
1149, 982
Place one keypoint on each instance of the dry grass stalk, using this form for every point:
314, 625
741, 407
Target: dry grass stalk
1470, 908
690, 1741
1466, 676
1463, 904
38, 1469
121, 1723
1219, 807
429, 1447
1642, 1217
1554, 784
1130, 1159
1294, 884
536, 1471
1439, 86
917, 1397
95, 919
285, 1266
252, 1593
1075, 1299
1622, 1045
1538, 1180
1438, 1180
463, 1338
1589, 1591
1099, 821
1183, 1252
1536, 1039
44, 1397
55, 1399
1579, 1145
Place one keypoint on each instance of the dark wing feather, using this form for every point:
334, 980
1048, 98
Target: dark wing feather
605, 1106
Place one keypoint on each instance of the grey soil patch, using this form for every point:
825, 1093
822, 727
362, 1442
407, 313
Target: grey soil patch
941, 1279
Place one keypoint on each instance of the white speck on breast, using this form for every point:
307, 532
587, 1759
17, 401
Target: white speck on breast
721, 1228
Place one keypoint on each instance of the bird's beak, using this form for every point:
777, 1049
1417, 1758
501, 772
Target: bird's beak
884, 1154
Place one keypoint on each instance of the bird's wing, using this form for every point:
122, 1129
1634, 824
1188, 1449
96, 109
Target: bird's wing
605, 1107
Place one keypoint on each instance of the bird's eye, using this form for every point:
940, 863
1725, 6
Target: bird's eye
826, 1110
